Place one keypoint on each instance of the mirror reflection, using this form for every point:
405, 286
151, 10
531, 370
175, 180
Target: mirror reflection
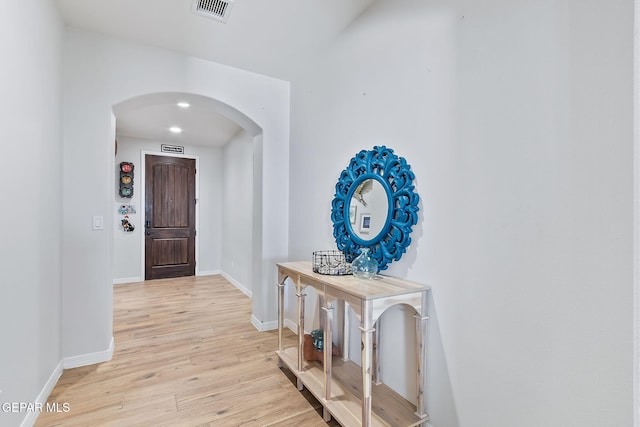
368, 209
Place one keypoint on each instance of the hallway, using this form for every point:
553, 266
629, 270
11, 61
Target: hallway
185, 354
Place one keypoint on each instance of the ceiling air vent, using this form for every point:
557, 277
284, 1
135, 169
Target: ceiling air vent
214, 9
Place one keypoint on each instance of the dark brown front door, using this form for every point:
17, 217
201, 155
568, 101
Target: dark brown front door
170, 217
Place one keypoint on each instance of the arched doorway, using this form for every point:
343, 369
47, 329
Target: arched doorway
227, 146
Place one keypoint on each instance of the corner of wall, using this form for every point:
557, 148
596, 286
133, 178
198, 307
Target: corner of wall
89, 359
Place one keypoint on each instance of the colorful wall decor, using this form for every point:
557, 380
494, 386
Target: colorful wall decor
126, 179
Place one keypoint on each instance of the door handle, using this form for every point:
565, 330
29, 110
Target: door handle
147, 225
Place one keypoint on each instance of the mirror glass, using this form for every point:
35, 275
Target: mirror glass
368, 209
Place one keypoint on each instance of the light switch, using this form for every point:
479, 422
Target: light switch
98, 222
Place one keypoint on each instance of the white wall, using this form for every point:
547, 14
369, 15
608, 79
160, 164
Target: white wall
30, 260
127, 246
99, 73
237, 210
516, 117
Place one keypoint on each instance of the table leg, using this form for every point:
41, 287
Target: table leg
375, 374
366, 330
328, 350
345, 331
421, 357
326, 415
300, 296
281, 287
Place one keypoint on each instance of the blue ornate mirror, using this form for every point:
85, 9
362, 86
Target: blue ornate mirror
375, 206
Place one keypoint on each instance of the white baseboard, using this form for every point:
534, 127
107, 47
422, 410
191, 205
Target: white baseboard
208, 273
264, 326
293, 326
41, 400
122, 280
89, 359
237, 284
270, 326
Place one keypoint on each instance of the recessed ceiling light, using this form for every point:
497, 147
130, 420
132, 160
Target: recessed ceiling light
175, 129
183, 104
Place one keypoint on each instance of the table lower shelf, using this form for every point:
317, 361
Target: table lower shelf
388, 408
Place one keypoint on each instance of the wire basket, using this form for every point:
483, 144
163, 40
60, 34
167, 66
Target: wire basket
331, 262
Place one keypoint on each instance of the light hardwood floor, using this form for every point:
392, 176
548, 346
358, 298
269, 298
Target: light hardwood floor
185, 354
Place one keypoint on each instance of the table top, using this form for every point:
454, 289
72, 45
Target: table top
378, 287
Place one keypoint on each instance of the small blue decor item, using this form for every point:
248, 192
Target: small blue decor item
375, 206
364, 266
318, 339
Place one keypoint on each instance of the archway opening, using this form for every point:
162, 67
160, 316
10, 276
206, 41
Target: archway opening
227, 146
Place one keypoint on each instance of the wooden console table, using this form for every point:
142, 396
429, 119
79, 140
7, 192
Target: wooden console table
353, 399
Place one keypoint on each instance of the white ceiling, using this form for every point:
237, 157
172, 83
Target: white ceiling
151, 116
270, 37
